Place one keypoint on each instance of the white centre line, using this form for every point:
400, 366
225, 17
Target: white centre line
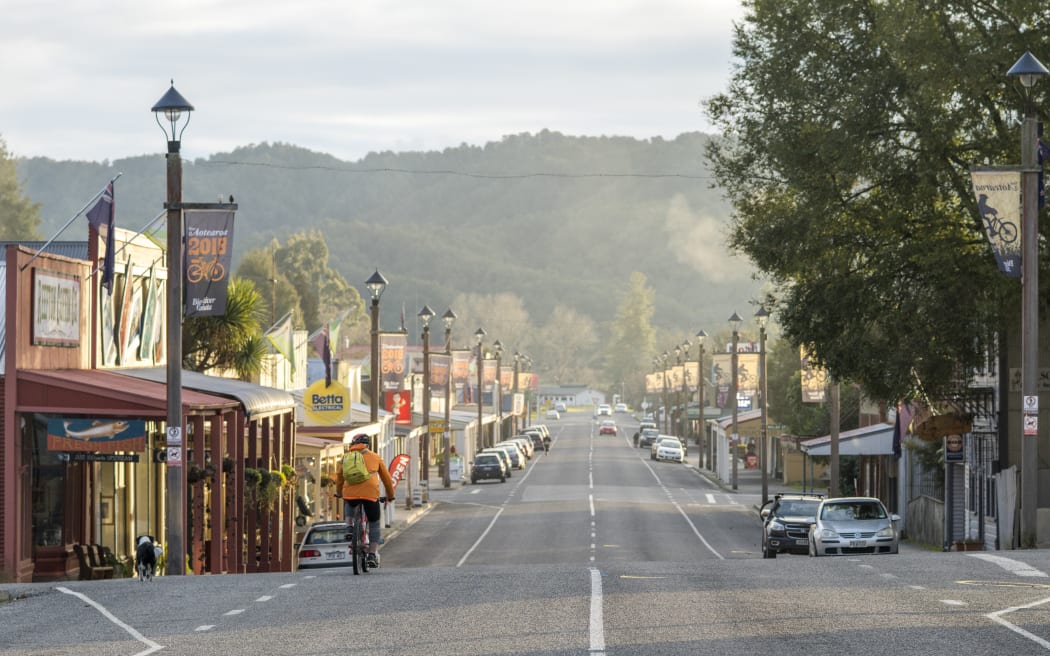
151, 646
288, 585
682, 512
264, 598
205, 627
236, 611
597, 647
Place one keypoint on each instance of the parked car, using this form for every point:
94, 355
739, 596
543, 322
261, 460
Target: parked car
620, 407
542, 428
504, 458
659, 440
514, 452
537, 441
325, 545
647, 436
853, 525
786, 519
647, 423
670, 448
607, 427
487, 466
561, 407
604, 410
553, 414
527, 445
526, 450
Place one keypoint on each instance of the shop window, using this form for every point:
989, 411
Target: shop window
47, 485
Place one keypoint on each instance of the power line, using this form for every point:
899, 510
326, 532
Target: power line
453, 172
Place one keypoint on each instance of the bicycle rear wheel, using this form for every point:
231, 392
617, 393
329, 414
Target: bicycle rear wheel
363, 520
355, 542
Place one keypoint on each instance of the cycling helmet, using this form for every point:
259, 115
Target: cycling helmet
361, 439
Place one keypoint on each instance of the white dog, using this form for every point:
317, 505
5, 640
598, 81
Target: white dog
146, 556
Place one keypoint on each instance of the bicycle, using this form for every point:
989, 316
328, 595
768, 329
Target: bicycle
358, 538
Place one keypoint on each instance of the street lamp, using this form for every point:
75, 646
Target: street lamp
684, 416
425, 315
376, 283
735, 322
667, 411
1028, 70
517, 361
678, 395
497, 388
446, 479
173, 106
762, 316
701, 439
479, 337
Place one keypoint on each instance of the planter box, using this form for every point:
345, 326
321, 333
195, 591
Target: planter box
969, 546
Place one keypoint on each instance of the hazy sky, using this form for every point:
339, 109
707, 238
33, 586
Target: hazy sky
346, 77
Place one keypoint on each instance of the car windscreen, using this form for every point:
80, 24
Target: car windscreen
798, 508
487, 460
327, 535
853, 511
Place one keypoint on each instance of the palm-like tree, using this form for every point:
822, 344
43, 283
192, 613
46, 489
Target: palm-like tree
231, 341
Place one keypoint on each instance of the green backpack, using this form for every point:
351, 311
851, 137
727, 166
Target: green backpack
354, 468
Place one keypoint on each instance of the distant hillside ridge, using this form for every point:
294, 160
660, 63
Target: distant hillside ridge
549, 217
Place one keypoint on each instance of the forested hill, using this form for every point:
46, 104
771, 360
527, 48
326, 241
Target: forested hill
549, 217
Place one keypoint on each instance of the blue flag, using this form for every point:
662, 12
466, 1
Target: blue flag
102, 215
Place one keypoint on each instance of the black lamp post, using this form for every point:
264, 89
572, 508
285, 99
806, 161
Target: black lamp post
684, 416
667, 410
761, 317
376, 283
701, 438
172, 105
425, 315
677, 395
735, 322
479, 337
446, 480
514, 387
1028, 70
497, 388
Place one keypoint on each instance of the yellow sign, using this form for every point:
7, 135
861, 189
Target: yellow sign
437, 425
326, 406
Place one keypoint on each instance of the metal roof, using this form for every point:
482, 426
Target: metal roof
74, 249
874, 440
257, 400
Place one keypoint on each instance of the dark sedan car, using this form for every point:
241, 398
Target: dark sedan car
487, 466
786, 519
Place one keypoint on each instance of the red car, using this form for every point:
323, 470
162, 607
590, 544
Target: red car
607, 428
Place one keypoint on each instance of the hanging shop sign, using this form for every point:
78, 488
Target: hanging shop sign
326, 405
96, 435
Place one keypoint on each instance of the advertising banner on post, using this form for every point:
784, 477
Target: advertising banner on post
998, 194
209, 260
392, 360
440, 364
814, 379
460, 373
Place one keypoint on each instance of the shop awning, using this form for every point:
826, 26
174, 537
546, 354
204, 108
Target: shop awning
874, 440
103, 392
257, 400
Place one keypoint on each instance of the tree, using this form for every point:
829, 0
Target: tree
849, 130
630, 349
279, 296
502, 316
19, 217
565, 346
231, 341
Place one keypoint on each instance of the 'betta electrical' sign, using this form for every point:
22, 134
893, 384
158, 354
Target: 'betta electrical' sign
326, 406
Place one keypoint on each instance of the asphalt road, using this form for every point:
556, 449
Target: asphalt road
593, 549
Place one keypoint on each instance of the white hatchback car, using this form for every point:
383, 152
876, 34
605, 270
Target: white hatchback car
668, 448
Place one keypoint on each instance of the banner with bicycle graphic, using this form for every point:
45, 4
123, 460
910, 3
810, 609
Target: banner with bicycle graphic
998, 194
209, 259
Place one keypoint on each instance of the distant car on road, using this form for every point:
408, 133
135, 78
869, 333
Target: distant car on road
620, 407
647, 436
608, 427
670, 448
853, 525
604, 410
671, 440
553, 414
560, 407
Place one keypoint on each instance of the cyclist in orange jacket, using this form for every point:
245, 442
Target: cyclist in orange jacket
366, 493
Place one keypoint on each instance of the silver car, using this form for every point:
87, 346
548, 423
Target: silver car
325, 545
853, 525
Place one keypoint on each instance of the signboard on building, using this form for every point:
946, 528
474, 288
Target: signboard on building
326, 405
106, 435
56, 308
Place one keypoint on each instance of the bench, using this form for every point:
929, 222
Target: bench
91, 568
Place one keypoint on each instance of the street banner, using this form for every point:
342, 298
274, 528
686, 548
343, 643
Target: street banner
209, 261
998, 194
814, 379
439, 373
488, 374
460, 372
692, 375
392, 359
747, 374
676, 377
96, 435
722, 375
399, 404
506, 377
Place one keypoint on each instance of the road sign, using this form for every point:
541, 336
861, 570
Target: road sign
174, 435
174, 457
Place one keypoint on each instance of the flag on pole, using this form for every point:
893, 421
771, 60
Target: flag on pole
280, 335
102, 215
322, 343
